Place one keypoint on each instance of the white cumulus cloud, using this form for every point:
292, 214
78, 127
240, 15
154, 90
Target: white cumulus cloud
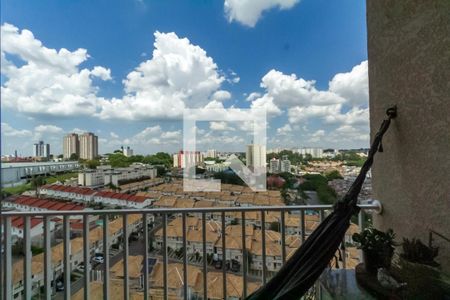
285, 130
9, 131
49, 82
248, 12
178, 75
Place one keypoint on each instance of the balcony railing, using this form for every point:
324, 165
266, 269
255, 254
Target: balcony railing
26, 287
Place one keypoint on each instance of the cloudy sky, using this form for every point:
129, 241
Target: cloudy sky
125, 70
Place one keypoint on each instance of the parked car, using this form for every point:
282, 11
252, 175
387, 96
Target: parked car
218, 264
98, 259
59, 286
80, 267
235, 265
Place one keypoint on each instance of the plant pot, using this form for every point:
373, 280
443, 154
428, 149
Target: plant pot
373, 260
422, 280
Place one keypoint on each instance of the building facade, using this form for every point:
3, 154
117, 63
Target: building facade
274, 165
127, 151
187, 158
88, 145
71, 145
41, 150
285, 164
256, 156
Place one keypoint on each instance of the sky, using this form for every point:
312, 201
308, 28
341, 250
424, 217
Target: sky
126, 70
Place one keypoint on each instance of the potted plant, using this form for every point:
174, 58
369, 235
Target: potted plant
377, 247
419, 270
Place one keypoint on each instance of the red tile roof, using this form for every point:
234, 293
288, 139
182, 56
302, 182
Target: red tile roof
46, 203
18, 222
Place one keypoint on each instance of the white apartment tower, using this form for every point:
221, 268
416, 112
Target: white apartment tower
274, 165
127, 151
88, 145
211, 153
256, 156
71, 145
285, 164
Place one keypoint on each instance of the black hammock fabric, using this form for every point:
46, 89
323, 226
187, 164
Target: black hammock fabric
304, 267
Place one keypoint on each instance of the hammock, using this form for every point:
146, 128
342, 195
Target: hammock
305, 266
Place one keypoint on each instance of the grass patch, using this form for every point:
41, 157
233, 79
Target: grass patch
60, 177
17, 190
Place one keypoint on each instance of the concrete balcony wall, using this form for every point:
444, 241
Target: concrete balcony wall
409, 65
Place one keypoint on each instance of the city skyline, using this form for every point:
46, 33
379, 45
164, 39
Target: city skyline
315, 93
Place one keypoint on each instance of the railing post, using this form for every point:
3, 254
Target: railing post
106, 256
205, 258
185, 271
67, 258
86, 256
283, 237
360, 225
126, 287
165, 259
8, 260
224, 258
146, 246
47, 259
263, 241
27, 259
302, 227
244, 256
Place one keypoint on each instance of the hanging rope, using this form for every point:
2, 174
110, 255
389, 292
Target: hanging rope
305, 266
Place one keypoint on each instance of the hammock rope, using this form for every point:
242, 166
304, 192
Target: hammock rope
306, 265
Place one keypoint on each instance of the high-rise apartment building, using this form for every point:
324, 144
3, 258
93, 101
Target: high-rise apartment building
127, 151
71, 145
274, 165
187, 158
211, 153
314, 152
256, 156
88, 145
41, 150
285, 164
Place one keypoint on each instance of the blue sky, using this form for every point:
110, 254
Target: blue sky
305, 61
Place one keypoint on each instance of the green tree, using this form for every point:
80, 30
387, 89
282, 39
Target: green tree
92, 164
118, 160
333, 175
36, 183
74, 156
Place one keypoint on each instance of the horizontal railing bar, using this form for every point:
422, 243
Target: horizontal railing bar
180, 210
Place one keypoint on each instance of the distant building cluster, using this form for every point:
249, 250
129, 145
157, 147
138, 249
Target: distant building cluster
41, 150
280, 165
187, 158
211, 153
105, 175
84, 146
314, 152
127, 151
14, 173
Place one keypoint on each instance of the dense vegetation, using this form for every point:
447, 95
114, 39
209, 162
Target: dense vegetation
319, 183
118, 160
36, 182
294, 158
350, 158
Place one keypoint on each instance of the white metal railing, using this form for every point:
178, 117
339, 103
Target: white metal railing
163, 215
